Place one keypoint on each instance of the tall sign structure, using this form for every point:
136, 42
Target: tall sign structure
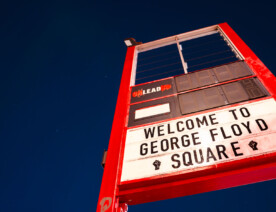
196, 112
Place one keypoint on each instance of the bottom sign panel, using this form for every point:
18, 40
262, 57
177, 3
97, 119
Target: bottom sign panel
191, 143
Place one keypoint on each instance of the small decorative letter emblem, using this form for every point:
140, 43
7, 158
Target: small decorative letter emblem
253, 145
157, 164
105, 203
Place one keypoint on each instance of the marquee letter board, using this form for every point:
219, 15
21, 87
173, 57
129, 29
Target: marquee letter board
181, 135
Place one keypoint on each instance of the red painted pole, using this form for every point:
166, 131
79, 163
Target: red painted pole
262, 72
108, 201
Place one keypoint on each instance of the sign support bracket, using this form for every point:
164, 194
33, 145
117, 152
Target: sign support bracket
184, 64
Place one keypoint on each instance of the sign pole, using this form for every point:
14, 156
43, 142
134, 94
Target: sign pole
108, 200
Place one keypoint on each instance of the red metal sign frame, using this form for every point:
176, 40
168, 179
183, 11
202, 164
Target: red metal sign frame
114, 195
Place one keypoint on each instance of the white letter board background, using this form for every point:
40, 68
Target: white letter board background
136, 166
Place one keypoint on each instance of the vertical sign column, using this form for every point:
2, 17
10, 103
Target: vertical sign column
108, 201
262, 72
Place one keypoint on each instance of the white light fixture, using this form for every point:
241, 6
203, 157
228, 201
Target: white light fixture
131, 42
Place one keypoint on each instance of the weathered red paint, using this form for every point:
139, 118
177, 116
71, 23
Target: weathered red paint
112, 170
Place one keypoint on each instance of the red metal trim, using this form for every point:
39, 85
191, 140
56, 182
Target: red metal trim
262, 72
108, 200
202, 112
220, 176
196, 172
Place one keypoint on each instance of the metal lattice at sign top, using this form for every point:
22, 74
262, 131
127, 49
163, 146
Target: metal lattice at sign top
193, 109
183, 57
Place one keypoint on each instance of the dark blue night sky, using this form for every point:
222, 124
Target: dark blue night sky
60, 65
